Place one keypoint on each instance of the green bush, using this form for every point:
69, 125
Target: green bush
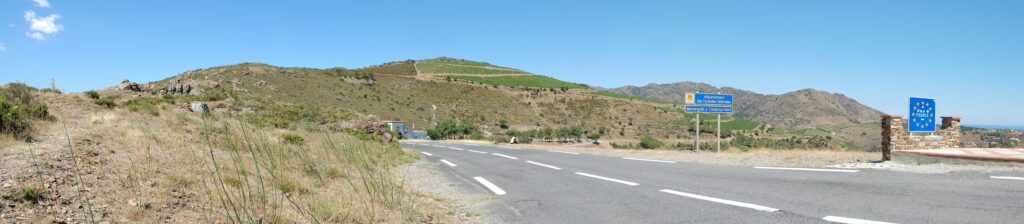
92, 94
51, 90
292, 138
144, 104
14, 119
649, 142
29, 194
106, 101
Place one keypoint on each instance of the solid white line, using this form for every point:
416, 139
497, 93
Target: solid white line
649, 160
460, 149
851, 220
448, 163
439, 146
1007, 178
573, 153
497, 190
608, 179
544, 165
428, 154
503, 155
723, 201
477, 151
807, 169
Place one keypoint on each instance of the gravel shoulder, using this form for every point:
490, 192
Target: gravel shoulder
458, 200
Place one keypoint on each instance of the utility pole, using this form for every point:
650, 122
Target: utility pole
433, 114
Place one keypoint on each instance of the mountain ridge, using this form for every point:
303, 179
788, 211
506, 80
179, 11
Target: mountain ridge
799, 109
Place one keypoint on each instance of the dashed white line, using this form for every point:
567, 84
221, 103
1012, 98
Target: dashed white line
807, 169
460, 149
490, 186
428, 154
476, 151
448, 163
1007, 178
649, 160
572, 153
503, 155
544, 165
723, 201
608, 179
851, 220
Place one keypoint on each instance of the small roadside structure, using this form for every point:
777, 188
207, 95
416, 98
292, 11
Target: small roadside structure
396, 126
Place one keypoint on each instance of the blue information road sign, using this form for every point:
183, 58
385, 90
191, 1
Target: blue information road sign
922, 115
708, 109
709, 99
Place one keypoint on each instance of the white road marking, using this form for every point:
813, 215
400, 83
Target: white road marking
608, 179
428, 154
544, 165
448, 163
851, 220
573, 153
477, 151
439, 146
1007, 178
807, 169
723, 201
649, 160
460, 149
490, 186
503, 155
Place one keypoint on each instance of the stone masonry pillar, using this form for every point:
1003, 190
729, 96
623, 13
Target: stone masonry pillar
893, 135
950, 132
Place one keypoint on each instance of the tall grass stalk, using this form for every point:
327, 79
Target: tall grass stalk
78, 170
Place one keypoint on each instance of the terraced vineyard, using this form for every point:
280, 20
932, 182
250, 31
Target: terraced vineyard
459, 66
521, 81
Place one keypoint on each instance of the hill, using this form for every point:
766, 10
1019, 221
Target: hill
802, 109
495, 98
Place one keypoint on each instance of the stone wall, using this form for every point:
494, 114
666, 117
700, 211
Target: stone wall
895, 136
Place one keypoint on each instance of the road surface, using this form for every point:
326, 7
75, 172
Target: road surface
542, 186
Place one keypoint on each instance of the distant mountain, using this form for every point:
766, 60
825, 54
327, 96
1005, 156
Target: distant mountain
802, 109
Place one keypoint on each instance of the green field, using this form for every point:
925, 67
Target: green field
524, 81
459, 66
628, 97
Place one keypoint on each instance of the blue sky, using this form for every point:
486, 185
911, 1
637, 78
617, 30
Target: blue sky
969, 55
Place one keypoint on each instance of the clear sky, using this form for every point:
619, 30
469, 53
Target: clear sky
968, 55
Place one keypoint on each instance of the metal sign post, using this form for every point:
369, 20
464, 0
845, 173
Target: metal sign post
709, 103
718, 133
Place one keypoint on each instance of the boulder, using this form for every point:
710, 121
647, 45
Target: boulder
199, 107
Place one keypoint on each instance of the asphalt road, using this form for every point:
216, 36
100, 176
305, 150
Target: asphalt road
541, 186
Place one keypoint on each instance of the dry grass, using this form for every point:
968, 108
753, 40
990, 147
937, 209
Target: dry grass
180, 167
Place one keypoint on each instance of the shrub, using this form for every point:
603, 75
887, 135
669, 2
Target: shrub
14, 120
38, 110
649, 142
292, 138
92, 94
51, 90
106, 101
29, 193
594, 136
144, 104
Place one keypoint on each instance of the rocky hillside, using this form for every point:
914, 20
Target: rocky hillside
801, 109
495, 98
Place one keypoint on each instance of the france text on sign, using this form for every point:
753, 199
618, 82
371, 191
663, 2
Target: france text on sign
922, 115
708, 99
708, 109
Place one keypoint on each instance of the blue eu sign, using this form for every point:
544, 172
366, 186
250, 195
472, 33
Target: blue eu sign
922, 115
